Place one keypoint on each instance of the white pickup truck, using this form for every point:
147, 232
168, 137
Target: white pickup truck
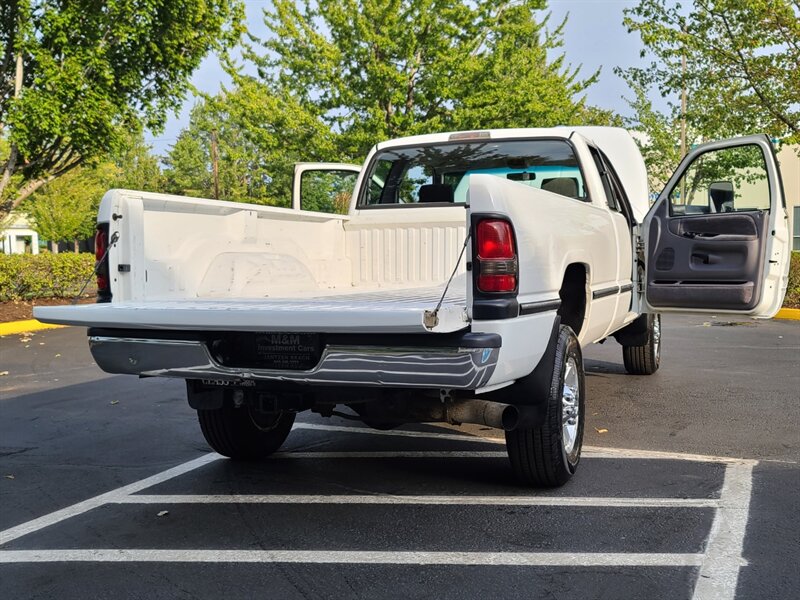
459, 287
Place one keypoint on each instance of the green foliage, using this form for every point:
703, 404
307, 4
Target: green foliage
136, 168
258, 142
658, 139
92, 72
66, 208
741, 74
327, 191
432, 65
337, 76
187, 164
793, 291
26, 276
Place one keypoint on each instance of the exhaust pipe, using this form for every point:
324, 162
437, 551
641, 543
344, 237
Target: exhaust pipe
454, 411
482, 412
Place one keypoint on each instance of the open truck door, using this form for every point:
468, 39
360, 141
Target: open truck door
324, 187
717, 238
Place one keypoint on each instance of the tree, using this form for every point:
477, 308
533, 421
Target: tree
658, 136
430, 65
65, 209
137, 168
240, 174
76, 76
741, 58
330, 84
187, 165
259, 136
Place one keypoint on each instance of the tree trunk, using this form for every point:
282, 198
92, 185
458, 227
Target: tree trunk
54, 247
76, 246
30, 187
11, 164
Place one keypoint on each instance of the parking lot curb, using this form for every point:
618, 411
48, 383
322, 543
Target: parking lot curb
15, 327
790, 314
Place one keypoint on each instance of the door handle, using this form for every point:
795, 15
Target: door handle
704, 259
698, 234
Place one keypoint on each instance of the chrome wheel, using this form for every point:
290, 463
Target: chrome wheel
570, 407
547, 453
657, 338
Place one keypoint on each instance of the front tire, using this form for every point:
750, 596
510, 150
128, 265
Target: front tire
547, 455
243, 434
645, 359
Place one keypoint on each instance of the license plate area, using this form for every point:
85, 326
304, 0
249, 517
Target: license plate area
266, 350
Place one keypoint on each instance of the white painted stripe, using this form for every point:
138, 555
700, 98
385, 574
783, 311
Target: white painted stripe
598, 452
719, 571
423, 499
460, 437
588, 451
394, 454
532, 559
87, 505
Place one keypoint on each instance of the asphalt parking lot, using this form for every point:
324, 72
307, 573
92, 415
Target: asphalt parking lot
689, 488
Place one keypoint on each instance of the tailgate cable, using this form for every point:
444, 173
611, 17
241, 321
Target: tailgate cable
431, 317
114, 239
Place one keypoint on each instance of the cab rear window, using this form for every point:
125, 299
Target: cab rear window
440, 174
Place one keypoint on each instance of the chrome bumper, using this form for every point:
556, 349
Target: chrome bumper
429, 367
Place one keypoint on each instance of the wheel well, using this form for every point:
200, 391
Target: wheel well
573, 297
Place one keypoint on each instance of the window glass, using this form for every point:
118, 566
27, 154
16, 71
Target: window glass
725, 180
377, 181
415, 176
327, 191
796, 228
620, 197
441, 173
611, 196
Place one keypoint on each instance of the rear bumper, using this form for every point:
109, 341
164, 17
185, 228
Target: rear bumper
463, 362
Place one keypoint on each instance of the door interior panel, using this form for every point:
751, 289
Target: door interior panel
720, 224
703, 261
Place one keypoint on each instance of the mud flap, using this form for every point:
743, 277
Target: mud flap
636, 333
529, 394
203, 397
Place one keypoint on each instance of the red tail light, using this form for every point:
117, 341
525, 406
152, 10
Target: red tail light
497, 256
101, 263
495, 240
100, 244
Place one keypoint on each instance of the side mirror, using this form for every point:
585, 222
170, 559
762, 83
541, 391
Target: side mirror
720, 196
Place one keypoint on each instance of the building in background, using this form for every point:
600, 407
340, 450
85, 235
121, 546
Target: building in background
17, 236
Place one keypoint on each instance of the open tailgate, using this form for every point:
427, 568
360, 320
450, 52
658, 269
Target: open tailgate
393, 311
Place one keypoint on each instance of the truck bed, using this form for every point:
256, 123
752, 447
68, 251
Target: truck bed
381, 311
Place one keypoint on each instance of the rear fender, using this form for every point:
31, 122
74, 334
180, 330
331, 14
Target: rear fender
529, 393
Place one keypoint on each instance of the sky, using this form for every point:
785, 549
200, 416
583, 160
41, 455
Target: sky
594, 37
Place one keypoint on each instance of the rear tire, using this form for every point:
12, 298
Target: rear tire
547, 455
645, 359
242, 434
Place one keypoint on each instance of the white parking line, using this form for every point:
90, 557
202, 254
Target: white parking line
719, 565
719, 571
437, 500
588, 451
87, 505
598, 452
393, 454
529, 559
459, 437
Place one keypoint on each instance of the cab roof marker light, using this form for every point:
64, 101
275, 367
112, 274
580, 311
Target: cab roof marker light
470, 135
